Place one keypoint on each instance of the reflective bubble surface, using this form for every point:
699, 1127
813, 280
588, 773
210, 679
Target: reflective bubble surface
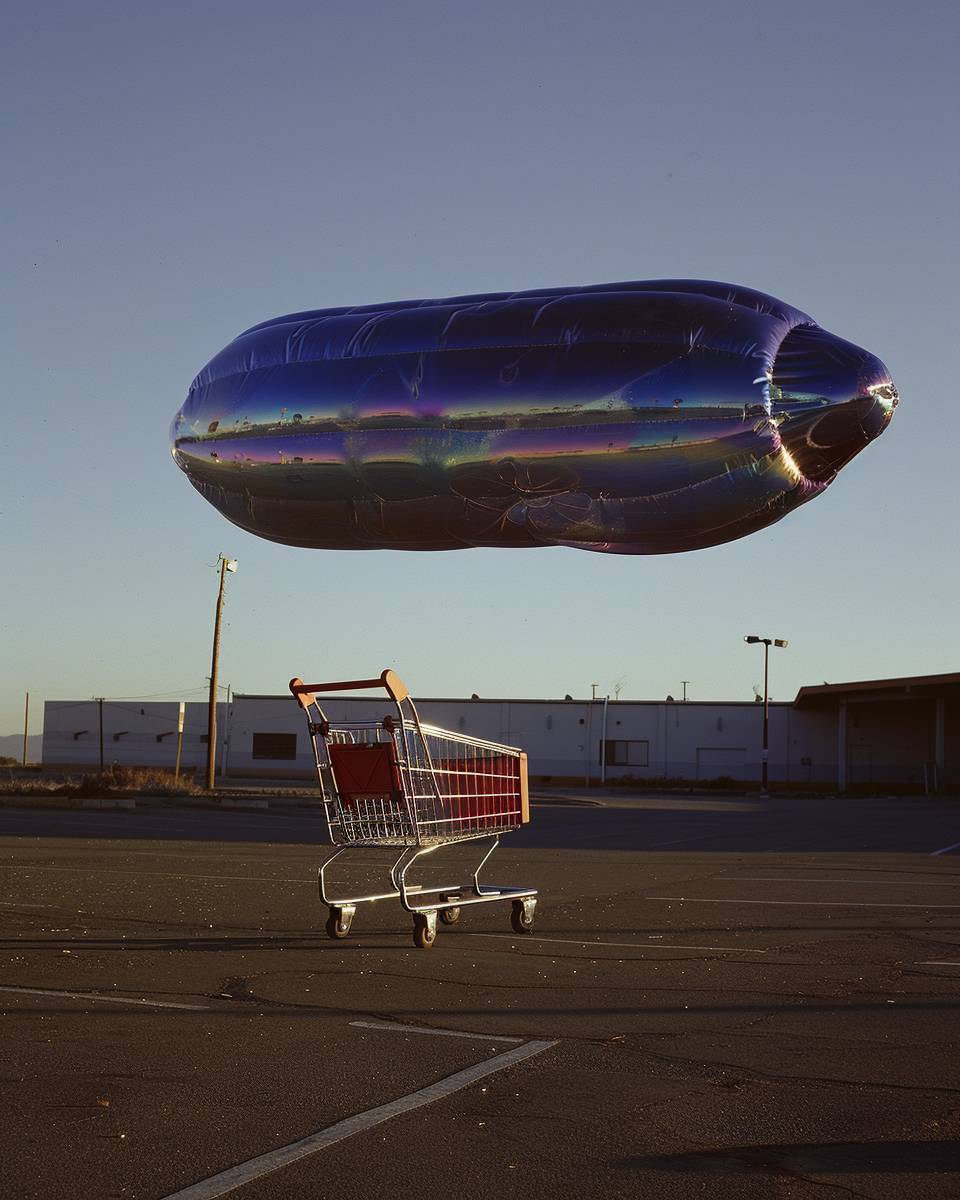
637, 418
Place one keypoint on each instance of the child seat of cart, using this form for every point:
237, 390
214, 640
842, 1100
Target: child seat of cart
364, 771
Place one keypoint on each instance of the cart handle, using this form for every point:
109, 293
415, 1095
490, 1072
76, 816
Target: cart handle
305, 693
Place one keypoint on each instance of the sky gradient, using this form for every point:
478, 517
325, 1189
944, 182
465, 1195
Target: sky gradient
178, 173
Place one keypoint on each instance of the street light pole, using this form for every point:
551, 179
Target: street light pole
225, 564
753, 640
766, 714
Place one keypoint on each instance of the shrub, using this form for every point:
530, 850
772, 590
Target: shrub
147, 781
17, 786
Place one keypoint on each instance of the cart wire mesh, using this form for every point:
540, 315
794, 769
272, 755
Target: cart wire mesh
408, 783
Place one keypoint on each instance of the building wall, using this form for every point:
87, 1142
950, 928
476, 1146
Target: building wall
890, 742
886, 742
952, 744
135, 733
694, 741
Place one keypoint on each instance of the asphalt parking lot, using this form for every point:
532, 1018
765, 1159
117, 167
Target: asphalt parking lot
725, 997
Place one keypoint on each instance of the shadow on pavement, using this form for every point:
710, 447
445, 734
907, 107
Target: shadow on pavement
817, 1158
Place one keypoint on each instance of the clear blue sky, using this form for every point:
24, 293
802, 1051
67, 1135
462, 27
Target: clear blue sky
175, 173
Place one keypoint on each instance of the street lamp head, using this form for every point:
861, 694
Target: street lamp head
781, 642
231, 564
752, 639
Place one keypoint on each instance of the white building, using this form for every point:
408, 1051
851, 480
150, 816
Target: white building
130, 733
903, 732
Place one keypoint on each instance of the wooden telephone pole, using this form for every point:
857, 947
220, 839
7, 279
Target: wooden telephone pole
225, 564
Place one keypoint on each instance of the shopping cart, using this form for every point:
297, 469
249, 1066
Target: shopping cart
400, 782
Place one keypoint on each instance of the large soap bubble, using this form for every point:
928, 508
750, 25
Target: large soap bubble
638, 418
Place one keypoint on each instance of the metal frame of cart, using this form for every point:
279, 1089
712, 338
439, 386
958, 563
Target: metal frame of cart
401, 782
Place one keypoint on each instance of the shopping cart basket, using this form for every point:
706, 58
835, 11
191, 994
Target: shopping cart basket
400, 782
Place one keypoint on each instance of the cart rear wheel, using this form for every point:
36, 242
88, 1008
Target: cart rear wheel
424, 931
338, 924
521, 917
449, 916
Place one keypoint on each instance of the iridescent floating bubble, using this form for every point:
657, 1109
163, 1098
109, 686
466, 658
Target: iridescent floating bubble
638, 418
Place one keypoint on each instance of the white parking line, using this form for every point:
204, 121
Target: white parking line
944, 850
800, 903
22, 991
948, 881
159, 874
935, 962
628, 945
395, 1028
255, 1168
681, 841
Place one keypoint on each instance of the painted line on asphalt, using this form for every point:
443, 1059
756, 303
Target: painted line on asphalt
949, 881
944, 850
126, 852
681, 841
393, 1027
935, 962
524, 937
159, 874
264, 1164
22, 991
800, 903
110, 816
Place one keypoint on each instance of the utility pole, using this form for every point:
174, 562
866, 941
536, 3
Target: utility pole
100, 706
26, 727
228, 731
180, 719
603, 741
684, 682
766, 716
225, 564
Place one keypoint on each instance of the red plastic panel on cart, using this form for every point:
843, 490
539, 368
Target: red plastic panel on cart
480, 792
364, 769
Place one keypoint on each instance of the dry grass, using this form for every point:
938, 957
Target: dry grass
140, 781
10, 785
120, 781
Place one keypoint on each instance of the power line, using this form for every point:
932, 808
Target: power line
159, 695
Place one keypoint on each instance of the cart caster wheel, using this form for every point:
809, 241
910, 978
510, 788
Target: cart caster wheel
424, 930
449, 916
521, 917
339, 922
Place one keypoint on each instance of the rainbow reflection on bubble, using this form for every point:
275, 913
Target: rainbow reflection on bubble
637, 418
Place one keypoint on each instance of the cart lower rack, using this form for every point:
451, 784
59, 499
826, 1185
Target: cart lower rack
402, 783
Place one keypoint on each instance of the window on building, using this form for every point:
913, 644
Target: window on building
274, 745
627, 754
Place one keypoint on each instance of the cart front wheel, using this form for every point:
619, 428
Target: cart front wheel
449, 916
424, 930
338, 924
521, 918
